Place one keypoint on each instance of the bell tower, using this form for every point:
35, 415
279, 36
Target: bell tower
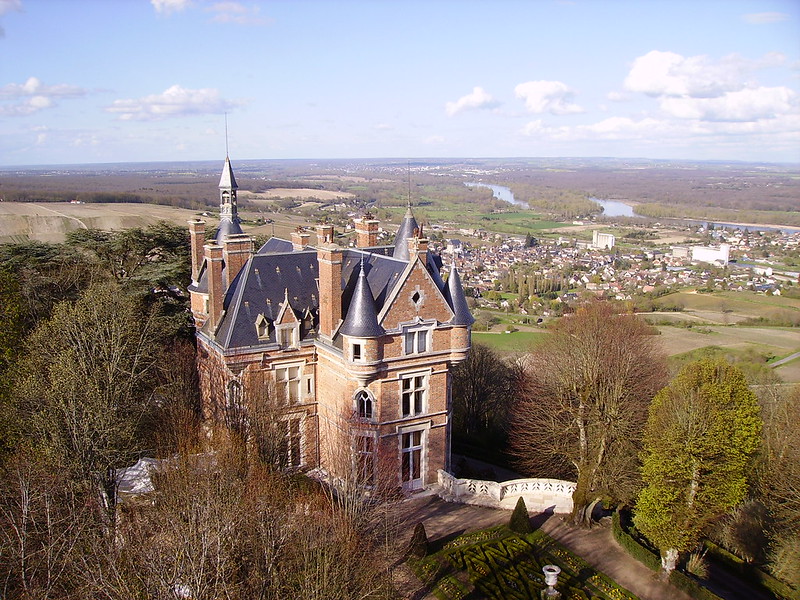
228, 215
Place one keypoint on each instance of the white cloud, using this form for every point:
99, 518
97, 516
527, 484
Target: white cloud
237, 13
475, 100
765, 18
32, 96
167, 7
670, 74
175, 101
554, 97
383, 127
742, 105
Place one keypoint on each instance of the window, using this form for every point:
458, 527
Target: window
365, 457
357, 352
262, 327
364, 404
235, 416
413, 388
412, 459
287, 383
286, 335
416, 340
290, 445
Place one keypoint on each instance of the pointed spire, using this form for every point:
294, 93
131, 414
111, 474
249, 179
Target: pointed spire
362, 318
227, 181
228, 214
454, 294
407, 229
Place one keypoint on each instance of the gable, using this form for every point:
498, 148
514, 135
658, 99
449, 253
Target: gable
415, 295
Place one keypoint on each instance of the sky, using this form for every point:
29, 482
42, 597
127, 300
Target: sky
105, 81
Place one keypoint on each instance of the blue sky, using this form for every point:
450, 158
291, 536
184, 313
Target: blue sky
87, 81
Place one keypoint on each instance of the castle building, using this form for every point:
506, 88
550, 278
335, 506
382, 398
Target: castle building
353, 346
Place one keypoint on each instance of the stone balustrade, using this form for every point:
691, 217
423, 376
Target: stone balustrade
539, 494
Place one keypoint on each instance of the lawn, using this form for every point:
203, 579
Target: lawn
518, 341
499, 564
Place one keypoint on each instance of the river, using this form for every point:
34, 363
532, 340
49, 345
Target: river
611, 208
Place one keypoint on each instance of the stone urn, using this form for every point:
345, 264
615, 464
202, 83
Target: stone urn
551, 579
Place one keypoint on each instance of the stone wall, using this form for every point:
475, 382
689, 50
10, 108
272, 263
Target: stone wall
539, 494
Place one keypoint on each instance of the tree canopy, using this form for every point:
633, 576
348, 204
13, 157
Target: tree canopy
701, 434
585, 403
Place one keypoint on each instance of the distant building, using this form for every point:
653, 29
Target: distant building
718, 255
603, 241
354, 346
680, 252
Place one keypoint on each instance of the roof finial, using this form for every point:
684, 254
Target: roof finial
409, 184
226, 134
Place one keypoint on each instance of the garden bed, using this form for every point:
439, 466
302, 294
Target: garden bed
499, 564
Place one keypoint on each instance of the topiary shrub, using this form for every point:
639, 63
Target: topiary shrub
418, 547
520, 522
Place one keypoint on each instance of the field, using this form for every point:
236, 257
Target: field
50, 222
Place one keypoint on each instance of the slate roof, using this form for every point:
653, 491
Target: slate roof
228, 227
227, 180
454, 294
362, 318
369, 276
406, 231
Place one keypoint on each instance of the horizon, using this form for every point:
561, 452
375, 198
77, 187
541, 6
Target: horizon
312, 80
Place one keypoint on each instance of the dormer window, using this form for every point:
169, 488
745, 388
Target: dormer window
262, 327
287, 335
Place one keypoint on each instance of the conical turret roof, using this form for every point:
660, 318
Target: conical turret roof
407, 228
454, 294
362, 318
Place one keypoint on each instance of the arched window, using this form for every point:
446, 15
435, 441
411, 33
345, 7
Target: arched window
364, 404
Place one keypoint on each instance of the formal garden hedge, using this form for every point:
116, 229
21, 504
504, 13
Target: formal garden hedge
502, 565
627, 536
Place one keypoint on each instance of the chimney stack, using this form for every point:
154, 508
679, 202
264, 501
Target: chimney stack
300, 239
197, 235
366, 232
236, 251
324, 234
330, 289
418, 246
216, 291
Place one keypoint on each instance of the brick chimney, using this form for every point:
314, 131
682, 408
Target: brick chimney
300, 239
216, 291
418, 246
324, 234
330, 288
197, 235
237, 249
366, 232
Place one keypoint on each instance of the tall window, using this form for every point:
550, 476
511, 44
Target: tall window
290, 445
365, 455
412, 459
417, 340
413, 389
364, 404
235, 415
287, 384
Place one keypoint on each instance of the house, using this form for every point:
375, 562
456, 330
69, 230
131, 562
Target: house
354, 346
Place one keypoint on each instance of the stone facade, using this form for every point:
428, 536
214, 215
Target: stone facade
352, 348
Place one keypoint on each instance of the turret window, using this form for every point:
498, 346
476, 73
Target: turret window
364, 404
358, 352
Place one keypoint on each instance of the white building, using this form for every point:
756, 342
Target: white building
711, 254
603, 240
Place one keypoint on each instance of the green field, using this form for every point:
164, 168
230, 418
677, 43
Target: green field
518, 341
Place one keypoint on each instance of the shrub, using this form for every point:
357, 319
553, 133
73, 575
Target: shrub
785, 560
520, 521
697, 565
418, 547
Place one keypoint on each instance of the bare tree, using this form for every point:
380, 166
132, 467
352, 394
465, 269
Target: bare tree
588, 388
